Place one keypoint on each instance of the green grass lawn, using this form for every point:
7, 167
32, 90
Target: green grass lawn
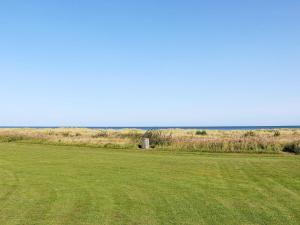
42, 184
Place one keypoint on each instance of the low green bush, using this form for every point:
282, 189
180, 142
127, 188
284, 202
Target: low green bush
158, 138
293, 147
11, 138
77, 134
201, 132
249, 133
276, 133
65, 134
99, 134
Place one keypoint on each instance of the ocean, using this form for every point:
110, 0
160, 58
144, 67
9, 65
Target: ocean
166, 127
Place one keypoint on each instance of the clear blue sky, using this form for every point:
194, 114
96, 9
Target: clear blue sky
149, 63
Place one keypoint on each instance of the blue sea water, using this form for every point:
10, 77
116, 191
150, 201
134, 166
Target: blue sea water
172, 127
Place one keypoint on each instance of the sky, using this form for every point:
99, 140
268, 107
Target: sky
149, 63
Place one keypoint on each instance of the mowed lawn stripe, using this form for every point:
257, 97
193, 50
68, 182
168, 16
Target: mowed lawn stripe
44, 184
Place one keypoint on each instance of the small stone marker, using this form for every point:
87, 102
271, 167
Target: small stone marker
145, 143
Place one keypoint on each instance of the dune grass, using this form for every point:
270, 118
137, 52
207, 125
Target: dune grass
256, 141
44, 184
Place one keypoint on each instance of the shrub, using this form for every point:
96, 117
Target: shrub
11, 138
65, 134
158, 138
276, 133
293, 147
51, 132
77, 134
201, 132
249, 134
101, 133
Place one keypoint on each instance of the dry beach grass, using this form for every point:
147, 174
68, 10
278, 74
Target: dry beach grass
257, 141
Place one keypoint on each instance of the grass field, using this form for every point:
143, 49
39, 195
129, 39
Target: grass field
44, 184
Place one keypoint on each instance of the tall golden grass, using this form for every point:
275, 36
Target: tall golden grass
272, 141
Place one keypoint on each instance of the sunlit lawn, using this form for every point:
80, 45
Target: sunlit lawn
42, 184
